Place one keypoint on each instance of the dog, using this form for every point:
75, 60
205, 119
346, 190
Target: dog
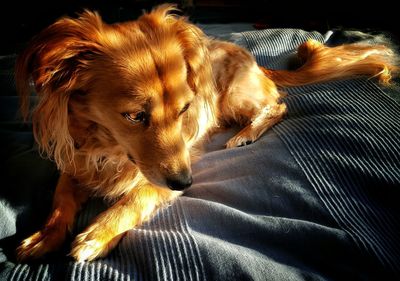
122, 106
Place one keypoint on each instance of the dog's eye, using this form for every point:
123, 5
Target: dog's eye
186, 107
139, 117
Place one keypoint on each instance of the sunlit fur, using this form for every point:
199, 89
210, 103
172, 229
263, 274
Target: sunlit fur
88, 74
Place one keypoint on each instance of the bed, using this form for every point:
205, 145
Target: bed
316, 198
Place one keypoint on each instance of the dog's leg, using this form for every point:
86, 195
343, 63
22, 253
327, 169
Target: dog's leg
252, 100
263, 120
67, 201
247, 97
109, 227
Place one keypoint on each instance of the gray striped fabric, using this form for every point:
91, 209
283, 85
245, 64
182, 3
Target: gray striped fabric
345, 136
281, 44
162, 249
253, 213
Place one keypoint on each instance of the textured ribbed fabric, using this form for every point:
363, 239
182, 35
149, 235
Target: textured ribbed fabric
314, 199
281, 44
162, 249
345, 136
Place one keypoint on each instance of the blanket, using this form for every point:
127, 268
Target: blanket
314, 199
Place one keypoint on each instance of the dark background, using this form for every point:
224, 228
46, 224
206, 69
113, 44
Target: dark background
20, 20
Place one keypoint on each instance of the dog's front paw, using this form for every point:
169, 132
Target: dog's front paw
40, 243
94, 243
239, 140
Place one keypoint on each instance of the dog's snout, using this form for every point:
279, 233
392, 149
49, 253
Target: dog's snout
180, 182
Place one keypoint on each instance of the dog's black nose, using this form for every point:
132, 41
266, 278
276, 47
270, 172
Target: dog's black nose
180, 182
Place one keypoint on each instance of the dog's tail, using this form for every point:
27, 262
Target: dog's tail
321, 63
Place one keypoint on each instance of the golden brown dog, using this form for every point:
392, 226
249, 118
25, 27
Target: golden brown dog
121, 106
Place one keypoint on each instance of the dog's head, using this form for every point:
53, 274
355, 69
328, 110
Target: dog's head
138, 83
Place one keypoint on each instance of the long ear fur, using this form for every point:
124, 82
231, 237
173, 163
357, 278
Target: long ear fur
54, 61
194, 44
200, 76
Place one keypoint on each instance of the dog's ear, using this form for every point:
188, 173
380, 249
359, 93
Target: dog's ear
194, 45
54, 58
196, 53
191, 38
54, 62
199, 76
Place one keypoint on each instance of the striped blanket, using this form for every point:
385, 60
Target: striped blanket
314, 199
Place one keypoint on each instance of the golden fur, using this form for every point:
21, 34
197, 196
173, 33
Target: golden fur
121, 107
